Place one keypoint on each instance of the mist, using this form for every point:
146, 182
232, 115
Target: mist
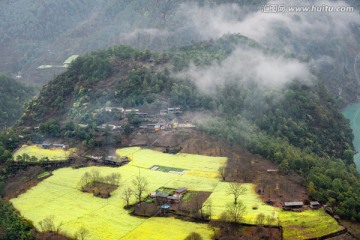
282, 29
325, 39
245, 66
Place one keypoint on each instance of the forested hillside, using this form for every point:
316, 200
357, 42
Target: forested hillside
35, 33
295, 123
13, 95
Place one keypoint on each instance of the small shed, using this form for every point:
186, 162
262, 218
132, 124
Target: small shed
182, 191
174, 198
161, 197
46, 145
314, 205
163, 112
292, 205
58, 145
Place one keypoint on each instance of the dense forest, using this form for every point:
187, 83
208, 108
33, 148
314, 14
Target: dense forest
298, 126
13, 95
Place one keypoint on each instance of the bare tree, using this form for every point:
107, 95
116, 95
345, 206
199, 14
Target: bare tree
140, 184
114, 178
194, 236
260, 219
222, 172
235, 212
127, 195
269, 220
236, 189
82, 233
208, 207
48, 225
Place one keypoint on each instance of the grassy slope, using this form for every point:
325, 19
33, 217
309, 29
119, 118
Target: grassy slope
220, 198
307, 224
38, 152
58, 195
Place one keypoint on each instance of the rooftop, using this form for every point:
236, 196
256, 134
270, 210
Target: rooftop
293, 204
180, 190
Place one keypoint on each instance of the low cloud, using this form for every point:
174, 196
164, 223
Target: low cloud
325, 36
247, 66
272, 29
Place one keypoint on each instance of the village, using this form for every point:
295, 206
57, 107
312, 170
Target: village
165, 119
172, 130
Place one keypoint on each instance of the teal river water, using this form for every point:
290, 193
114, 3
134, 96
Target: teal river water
352, 113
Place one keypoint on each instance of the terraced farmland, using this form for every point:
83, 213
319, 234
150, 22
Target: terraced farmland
59, 195
39, 152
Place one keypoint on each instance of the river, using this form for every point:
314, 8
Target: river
352, 113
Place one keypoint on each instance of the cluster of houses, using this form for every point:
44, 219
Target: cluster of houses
164, 198
135, 111
114, 128
109, 160
298, 205
155, 121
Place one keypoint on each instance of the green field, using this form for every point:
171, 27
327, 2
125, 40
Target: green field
59, 195
39, 152
168, 169
307, 224
219, 198
43, 175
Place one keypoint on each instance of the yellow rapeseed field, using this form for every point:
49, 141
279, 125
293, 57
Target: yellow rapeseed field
253, 203
39, 152
307, 224
59, 195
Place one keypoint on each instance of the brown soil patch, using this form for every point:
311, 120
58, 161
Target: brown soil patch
193, 205
229, 231
51, 236
20, 182
146, 209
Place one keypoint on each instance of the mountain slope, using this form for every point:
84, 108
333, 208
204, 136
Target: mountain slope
35, 33
292, 121
13, 95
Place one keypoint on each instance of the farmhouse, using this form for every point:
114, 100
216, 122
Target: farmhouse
314, 205
58, 145
160, 126
163, 112
174, 198
292, 205
161, 197
174, 110
114, 160
114, 109
141, 114
83, 125
131, 111
181, 191
46, 145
